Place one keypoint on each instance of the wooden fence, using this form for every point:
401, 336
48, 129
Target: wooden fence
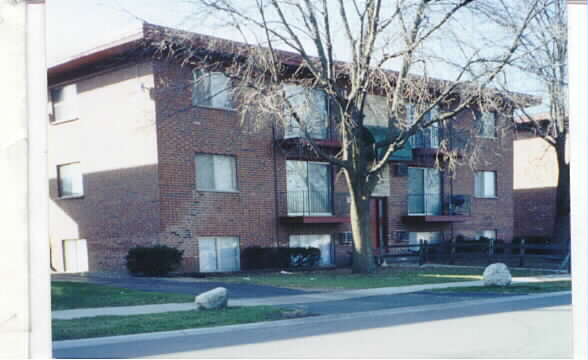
478, 253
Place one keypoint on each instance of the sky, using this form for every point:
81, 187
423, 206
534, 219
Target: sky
77, 25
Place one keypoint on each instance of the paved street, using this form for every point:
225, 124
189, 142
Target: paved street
514, 327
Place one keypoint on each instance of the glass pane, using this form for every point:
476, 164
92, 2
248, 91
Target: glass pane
207, 254
432, 191
224, 173
489, 184
70, 180
228, 257
318, 183
478, 184
416, 188
201, 88
204, 172
65, 103
220, 88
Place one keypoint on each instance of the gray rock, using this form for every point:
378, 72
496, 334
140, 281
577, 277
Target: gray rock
497, 274
214, 299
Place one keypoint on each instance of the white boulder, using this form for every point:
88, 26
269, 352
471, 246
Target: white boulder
497, 274
217, 298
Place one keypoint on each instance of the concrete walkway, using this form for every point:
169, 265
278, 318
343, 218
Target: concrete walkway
284, 300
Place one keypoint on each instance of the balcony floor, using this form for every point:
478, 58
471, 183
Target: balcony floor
419, 219
314, 219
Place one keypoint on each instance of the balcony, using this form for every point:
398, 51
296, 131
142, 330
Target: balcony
313, 207
324, 137
434, 208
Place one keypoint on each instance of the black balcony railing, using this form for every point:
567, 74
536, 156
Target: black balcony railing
428, 138
436, 205
314, 203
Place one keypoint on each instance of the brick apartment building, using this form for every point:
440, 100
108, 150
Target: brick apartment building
535, 183
138, 156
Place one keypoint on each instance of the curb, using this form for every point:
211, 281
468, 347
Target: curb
68, 344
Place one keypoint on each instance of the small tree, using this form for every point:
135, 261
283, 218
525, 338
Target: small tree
377, 34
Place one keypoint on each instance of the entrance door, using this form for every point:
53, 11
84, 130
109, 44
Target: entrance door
378, 217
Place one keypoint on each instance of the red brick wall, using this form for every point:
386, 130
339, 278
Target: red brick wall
187, 213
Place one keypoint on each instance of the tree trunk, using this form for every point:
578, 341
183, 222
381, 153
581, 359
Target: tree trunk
363, 259
561, 229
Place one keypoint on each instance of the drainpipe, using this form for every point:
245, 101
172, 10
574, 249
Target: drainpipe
276, 205
38, 180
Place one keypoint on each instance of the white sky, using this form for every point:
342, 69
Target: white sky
77, 25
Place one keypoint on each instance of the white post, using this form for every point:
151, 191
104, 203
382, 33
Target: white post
39, 262
25, 314
578, 76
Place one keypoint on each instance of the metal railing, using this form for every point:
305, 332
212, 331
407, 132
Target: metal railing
428, 138
436, 204
314, 203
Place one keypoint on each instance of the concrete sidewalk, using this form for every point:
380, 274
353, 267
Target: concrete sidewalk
283, 300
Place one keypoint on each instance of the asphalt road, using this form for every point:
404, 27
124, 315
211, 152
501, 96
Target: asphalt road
509, 327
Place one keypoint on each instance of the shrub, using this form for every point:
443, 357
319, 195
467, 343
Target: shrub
257, 257
155, 260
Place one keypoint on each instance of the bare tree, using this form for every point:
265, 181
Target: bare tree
542, 55
295, 44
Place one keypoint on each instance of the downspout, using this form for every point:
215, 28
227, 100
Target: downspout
276, 205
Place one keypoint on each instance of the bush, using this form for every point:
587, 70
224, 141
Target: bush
155, 260
257, 257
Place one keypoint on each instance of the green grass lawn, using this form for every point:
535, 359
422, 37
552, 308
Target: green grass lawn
524, 288
71, 295
135, 324
344, 279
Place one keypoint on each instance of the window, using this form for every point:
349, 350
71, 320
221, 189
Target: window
69, 180
64, 103
415, 238
215, 173
309, 188
75, 255
219, 254
211, 89
311, 107
427, 138
321, 242
485, 184
486, 124
487, 234
424, 191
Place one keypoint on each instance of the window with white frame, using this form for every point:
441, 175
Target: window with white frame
216, 173
485, 184
486, 234
70, 180
322, 242
219, 254
311, 107
64, 105
486, 124
75, 255
211, 89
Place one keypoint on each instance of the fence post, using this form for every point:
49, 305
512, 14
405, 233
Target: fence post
425, 256
452, 251
490, 250
522, 253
